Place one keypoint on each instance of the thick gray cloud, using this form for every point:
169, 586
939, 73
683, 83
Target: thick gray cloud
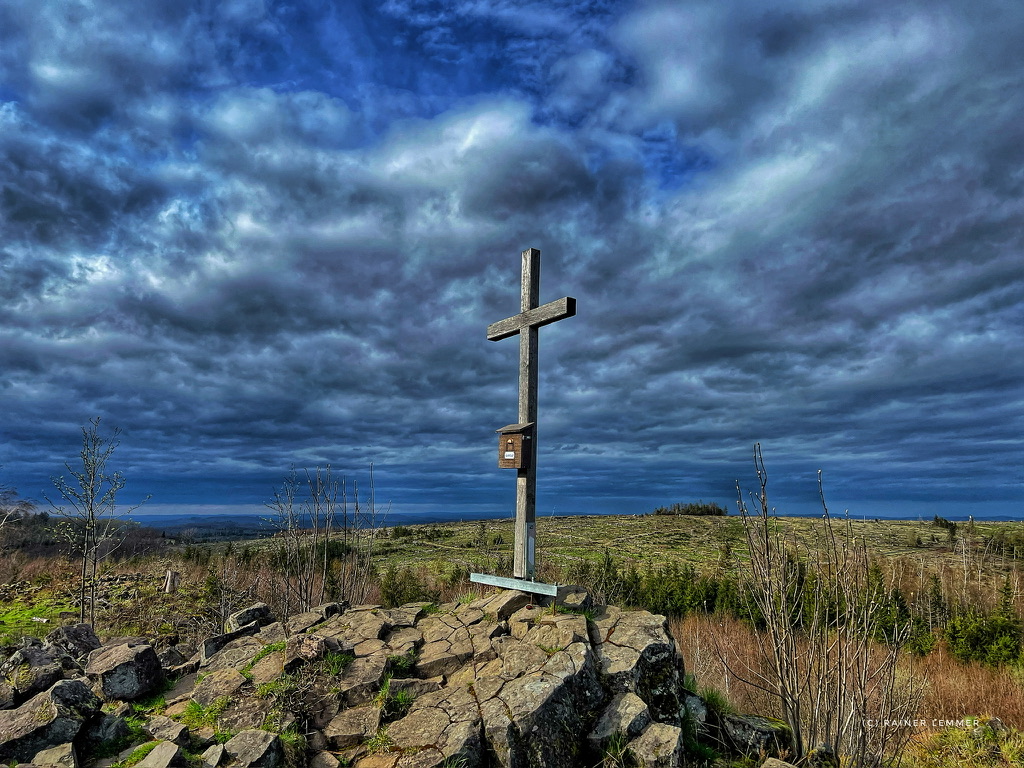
256, 235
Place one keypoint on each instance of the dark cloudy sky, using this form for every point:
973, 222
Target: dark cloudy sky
263, 234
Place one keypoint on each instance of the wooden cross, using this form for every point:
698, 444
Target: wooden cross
526, 324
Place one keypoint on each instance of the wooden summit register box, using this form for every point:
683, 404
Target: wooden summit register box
514, 446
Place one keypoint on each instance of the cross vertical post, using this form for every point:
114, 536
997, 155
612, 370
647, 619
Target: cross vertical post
525, 555
526, 324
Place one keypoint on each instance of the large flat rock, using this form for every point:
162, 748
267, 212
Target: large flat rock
47, 720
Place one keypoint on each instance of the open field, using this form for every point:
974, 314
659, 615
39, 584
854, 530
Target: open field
976, 567
651, 540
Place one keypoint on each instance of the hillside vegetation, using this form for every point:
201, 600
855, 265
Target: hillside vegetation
945, 599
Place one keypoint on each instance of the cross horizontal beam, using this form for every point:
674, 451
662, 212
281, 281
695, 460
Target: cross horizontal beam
532, 318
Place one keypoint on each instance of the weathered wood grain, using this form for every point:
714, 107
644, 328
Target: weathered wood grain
533, 318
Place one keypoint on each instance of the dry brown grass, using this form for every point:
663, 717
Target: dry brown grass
17, 566
720, 650
955, 689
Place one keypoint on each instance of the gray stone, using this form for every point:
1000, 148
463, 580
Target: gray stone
361, 681
258, 612
131, 640
171, 657
752, 735
541, 718
822, 756
554, 632
125, 672
328, 610
109, 728
514, 658
30, 670
190, 667
182, 688
626, 714
164, 729
442, 658
575, 599
303, 622
324, 760
659, 746
234, 655
7, 694
404, 616
212, 645
256, 748
302, 649
414, 686
213, 755
48, 719
774, 762
441, 726
636, 653
268, 668
502, 604
76, 640
450, 641
249, 712
404, 641
164, 755
63, 756
356, 625
219, 684
696, 711
272, 633
352, 727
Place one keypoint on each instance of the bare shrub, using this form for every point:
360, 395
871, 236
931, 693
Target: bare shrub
325, 542
92, 520
12, 507
819, 608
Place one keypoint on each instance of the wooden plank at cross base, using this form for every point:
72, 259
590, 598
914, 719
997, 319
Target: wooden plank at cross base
523, 585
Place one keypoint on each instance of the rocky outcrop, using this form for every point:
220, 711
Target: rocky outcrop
30, 670
259, 613
76, 640
125, 672
48, 719
498, 682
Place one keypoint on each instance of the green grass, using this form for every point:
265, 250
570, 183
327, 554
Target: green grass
265, 651
392, 705
334, 663
197, 716
716, 700
16, 618
137, 755
285, 685
616, 753
402, 664
971, 747
156, 702
380, 742
658, 539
